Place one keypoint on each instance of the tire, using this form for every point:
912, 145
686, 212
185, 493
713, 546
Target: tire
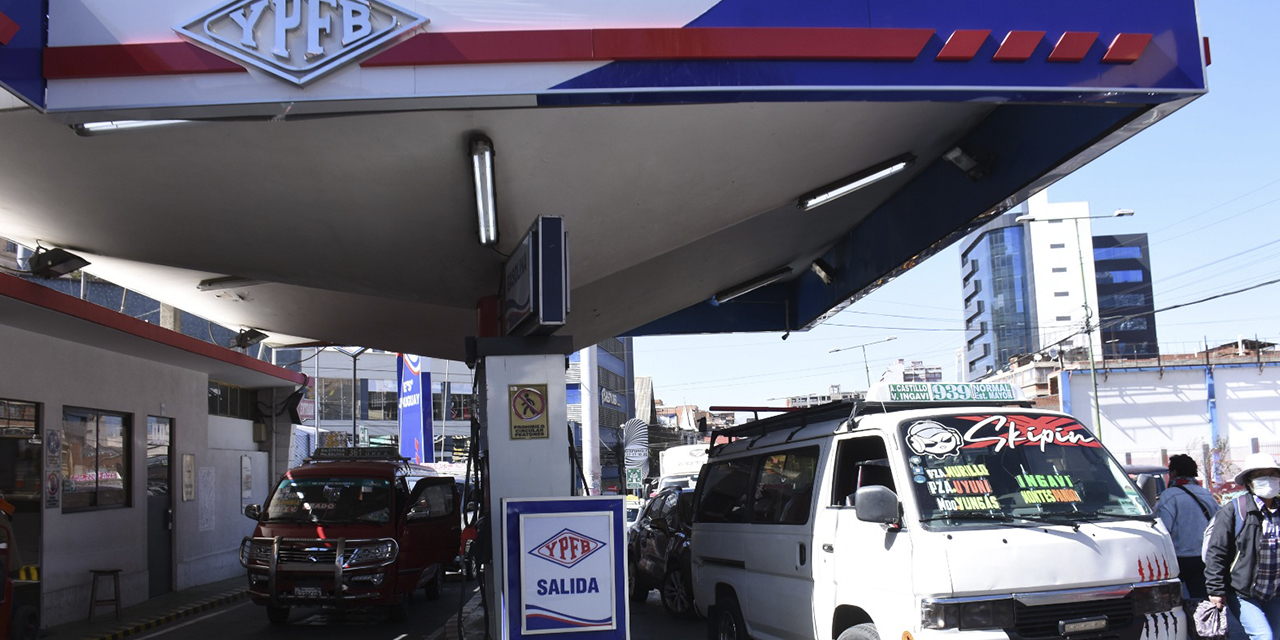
677, 596
634, 592
864, 631
432, 588
278, 615
728, 624
25, 624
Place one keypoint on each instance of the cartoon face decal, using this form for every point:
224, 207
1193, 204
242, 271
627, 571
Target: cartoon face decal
933, 439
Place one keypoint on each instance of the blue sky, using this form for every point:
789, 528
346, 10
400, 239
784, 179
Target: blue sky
1205, 186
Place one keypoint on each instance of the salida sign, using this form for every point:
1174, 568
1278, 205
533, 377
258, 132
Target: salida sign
565, 567
300, 40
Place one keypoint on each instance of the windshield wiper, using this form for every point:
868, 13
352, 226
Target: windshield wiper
1101, 515
1002, 517
975, 515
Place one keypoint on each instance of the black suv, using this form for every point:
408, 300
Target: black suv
658, 551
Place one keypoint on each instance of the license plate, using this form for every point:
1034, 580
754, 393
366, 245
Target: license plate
1082, 625
307, 592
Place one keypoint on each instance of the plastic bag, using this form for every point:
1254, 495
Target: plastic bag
1210, 621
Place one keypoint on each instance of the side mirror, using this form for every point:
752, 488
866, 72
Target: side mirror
1147, 485
877, 504
253, 511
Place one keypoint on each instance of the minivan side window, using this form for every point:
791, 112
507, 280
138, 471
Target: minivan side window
783, 487
724, 491
860, 462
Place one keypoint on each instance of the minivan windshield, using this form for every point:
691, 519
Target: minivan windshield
331, 500
980, 468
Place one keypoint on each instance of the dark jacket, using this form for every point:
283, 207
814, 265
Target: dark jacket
1230, 564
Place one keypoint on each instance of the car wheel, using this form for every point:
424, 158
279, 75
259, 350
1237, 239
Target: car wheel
864, 631
634, 591
26, 623
728, 621
677, 597
278, 615
432, 588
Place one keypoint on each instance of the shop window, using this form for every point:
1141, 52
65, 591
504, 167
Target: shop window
20, 450
384, 400
95, 459
230, 402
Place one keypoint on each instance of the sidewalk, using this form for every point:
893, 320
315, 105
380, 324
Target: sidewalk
152, 613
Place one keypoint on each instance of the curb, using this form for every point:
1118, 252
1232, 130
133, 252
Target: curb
187, 611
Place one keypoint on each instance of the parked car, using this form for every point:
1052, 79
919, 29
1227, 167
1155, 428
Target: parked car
929, 511
658, 551
351, 528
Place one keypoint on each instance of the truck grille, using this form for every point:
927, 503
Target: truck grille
1042, 621
308, 554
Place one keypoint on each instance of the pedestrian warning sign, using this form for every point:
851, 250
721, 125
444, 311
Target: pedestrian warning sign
528, 403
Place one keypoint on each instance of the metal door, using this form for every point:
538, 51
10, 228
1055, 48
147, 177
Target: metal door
159, 506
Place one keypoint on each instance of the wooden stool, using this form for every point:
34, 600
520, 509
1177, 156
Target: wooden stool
94, 602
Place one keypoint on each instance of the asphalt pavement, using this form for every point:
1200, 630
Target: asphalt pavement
648, 620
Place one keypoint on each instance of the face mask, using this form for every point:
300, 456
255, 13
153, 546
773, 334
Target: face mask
1265, 487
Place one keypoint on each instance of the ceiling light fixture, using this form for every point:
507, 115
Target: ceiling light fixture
486, 202
51, 263
248, 338
751, 285
823, 270
227, 282
974, 167
854, 182
112, 126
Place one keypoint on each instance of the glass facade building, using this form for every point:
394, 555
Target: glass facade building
1126, 303
999, 296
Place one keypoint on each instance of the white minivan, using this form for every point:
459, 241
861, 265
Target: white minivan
928, 511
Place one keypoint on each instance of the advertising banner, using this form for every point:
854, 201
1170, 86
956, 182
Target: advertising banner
565, 567
415, 408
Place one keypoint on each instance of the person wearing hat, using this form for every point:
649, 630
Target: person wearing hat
1242, 556
1185, 508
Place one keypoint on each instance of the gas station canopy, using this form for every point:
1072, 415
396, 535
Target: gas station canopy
320, 185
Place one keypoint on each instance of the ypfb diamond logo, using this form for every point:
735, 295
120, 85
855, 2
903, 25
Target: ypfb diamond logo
301, 40
567, 548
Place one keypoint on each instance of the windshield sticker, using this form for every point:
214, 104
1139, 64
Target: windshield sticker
968, 503
933, 439
1003, 431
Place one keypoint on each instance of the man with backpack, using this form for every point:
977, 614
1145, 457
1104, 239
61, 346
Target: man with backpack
1242, 554
1185, 508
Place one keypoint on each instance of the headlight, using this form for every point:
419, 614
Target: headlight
255, 552
372, 554
974, 614
1156, 598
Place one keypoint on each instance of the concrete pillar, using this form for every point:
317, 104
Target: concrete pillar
590, 375
170, 318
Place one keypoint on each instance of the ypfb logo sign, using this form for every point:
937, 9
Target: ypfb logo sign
567, 548
301, 40
569, 569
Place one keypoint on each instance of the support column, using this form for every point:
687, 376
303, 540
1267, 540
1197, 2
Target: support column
519, 468
590, 376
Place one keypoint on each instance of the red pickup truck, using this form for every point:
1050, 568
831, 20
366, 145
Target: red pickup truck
352, 528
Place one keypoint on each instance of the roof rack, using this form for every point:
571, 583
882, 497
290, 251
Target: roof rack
390, 454
795, 420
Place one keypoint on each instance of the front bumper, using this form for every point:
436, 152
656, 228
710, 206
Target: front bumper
310, 571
